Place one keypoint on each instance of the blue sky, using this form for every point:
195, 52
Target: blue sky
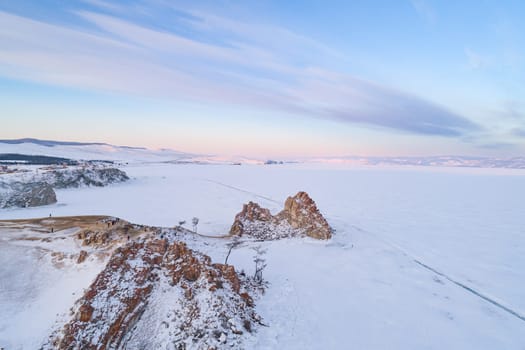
268, 78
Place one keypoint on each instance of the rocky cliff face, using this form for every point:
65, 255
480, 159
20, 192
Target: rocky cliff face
154, 287
300, 216
36, 189
301, 212
250, 214
88, 176
24, 195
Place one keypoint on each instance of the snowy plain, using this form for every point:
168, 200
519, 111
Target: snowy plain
368, 287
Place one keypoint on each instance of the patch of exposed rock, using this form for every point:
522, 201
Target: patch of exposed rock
108, 231
24, 195
164, 289
250, 213
82, 256
300, 216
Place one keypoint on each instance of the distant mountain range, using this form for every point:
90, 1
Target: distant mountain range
436, 161
88, 151
108, 152
51, 143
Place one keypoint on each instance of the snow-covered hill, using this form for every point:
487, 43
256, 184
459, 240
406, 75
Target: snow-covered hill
150, 290
120, 154
90, 151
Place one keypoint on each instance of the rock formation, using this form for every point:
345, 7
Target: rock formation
38, 189
154, 287
82, 256
23, 195
85, 176
300, 216
251, 213
301, 213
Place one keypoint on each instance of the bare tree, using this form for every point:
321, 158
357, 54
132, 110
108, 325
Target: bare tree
233, 244
260, 264
195, 222
182, 222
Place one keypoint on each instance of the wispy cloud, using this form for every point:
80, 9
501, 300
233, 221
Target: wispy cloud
425, 10
512, 109
498, 145
103, 5
353, 100
476, 60
237, 63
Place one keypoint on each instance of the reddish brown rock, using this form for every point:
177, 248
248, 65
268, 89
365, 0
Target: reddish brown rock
228, 273
107, 232
181, 263
82, 256
192, 272
300, 216
118, 297
84, 313
247, 298
301, 212
250, 212
122, 285
253, 211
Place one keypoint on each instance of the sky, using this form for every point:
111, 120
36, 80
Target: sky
268, 78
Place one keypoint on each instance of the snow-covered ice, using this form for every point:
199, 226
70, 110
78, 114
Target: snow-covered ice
363, 289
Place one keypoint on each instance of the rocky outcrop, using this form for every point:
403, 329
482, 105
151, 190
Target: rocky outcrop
300, 216
109, 231
82, 257
155, 287
251, 212
24, 195
38, 189
84, 176
301, 212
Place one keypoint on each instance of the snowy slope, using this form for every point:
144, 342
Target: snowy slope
37, 288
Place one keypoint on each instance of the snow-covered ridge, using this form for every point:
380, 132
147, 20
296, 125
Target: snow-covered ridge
89, 151
51, 143
24, 195
118, 154
153, 287
31, 186
82, 176
429, 161
127, 154
152, 284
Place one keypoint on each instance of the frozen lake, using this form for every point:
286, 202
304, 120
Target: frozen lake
466, 224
